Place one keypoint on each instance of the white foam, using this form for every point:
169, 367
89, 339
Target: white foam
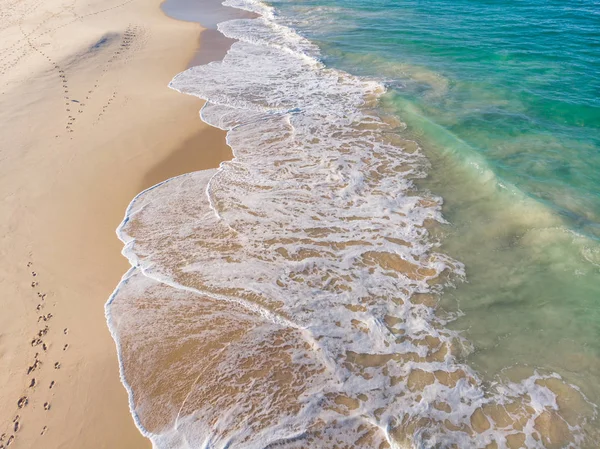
313, 232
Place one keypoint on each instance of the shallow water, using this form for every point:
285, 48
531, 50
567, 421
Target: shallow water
517, 82
317, 292
504, 99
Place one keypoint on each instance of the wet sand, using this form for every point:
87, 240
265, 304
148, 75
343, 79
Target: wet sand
87, 121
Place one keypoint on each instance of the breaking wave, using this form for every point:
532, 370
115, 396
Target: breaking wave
288, 298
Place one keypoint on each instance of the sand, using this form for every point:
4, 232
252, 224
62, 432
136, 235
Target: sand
86, 122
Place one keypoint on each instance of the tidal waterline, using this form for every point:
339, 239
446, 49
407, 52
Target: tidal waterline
503, 98
320, 254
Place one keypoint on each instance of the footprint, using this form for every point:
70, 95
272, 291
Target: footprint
33, 367
44, 430
52, 384
22, 402
57, 365
32, 383
46, 406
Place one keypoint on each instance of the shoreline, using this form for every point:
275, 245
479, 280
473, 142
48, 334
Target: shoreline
91, 127
193, 262
67, 180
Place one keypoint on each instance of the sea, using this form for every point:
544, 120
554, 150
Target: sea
404, 251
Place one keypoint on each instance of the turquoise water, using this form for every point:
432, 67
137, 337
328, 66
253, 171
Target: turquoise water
516, 81
309, 293
504, 98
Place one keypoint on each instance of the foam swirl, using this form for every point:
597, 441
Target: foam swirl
289, 297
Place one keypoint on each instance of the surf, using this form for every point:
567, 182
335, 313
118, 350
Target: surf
290, 297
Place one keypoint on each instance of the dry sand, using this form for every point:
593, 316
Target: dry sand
86, 122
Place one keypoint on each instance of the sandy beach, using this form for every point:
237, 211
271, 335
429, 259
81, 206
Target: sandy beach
87, 121
363, 274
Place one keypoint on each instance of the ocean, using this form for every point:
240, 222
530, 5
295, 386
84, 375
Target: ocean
404, 251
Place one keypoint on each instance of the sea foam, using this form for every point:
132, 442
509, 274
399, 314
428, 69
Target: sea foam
288, 298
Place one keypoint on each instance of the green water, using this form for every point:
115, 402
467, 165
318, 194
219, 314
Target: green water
504, 99
532, 290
